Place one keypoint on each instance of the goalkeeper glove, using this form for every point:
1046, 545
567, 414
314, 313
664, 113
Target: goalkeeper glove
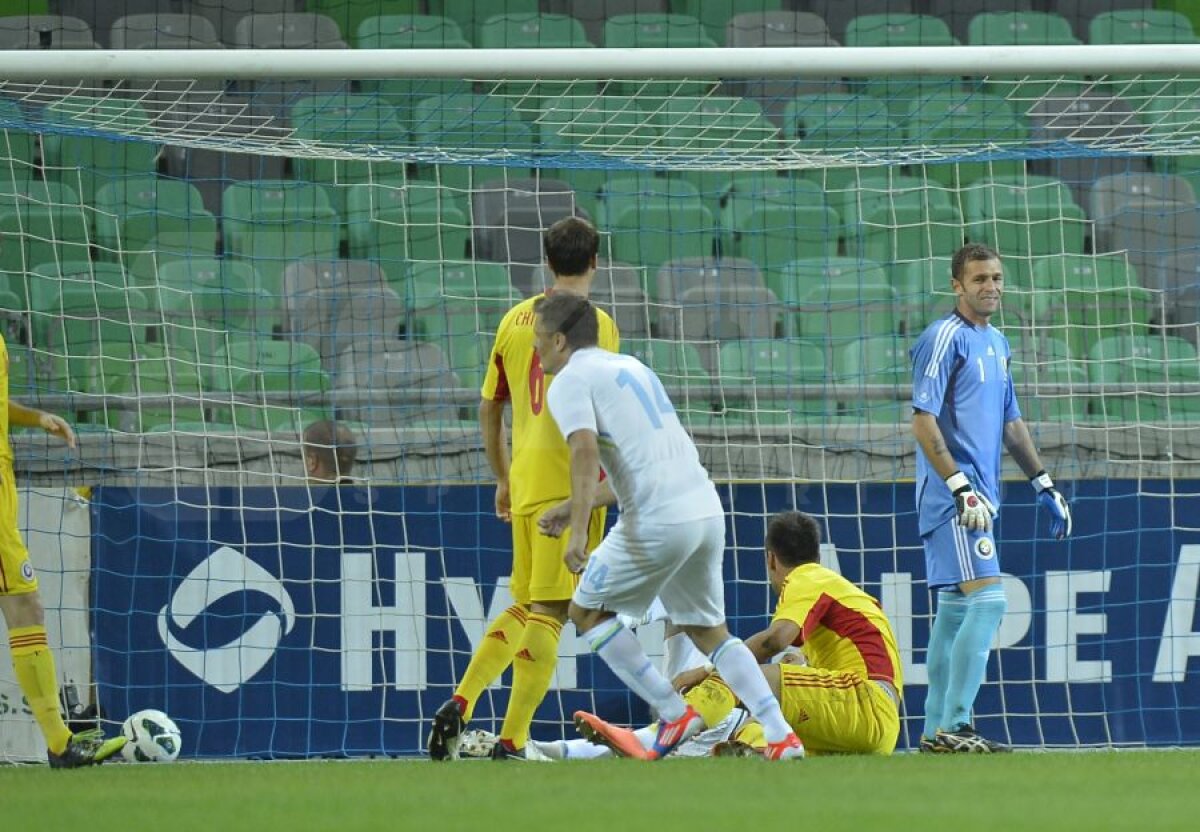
974, 510
1054, 502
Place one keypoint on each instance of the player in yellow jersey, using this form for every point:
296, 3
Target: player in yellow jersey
846, 699
21, 603
534, 479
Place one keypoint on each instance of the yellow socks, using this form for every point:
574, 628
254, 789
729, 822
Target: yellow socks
33, 664
492, 656
533, 669
712, 699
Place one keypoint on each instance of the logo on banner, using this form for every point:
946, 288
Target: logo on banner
223, 573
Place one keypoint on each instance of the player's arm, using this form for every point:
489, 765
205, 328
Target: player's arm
495, 448
585, 475
554, 521
1020, 446
28, 417
782, 634
975, 512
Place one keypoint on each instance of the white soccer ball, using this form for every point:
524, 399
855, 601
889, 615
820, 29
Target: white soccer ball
153, 737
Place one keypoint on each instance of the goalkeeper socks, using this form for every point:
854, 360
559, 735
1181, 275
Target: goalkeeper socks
968, 659
492, 656
533, 668
951, 608
740, 670
623, 653
33, 664
712, 699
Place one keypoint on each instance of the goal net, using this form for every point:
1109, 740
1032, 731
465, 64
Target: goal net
195, 270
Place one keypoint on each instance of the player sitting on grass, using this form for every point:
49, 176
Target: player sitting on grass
846, 699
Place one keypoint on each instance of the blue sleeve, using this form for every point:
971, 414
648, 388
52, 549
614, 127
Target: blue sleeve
933, 361
1011, 411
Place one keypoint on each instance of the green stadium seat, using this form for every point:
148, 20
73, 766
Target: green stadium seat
409, 31
146, 213
924, 294
271, 222
455, 299
674, 361
471, 15
837, 312
1143, 360
415, 221
696, 126
772, 234
20, 147
879, 359
1125, 26
532, 31
966, 122
771, 368
41, 222
629, 190
47, 280
344, 119
132, 373
798, 278
81, 322
205, 301
751, 191
660, 228
657, 31
466, 123
900, 30
1026, 28
1025, 217
350, 15
1040, 405
899, 218
257, 368
715, 14
86, 162
840, 122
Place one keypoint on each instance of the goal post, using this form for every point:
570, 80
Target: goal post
208, 250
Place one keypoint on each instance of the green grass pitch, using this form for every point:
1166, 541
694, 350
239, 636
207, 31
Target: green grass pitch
1147, 791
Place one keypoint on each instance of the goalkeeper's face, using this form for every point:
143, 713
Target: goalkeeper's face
979, 289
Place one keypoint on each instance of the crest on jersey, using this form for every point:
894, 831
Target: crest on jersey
984, 548
27, 571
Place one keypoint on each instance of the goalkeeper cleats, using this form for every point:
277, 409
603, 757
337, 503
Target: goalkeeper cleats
788, 748
86, 748
448, 725
929, 746
965, 740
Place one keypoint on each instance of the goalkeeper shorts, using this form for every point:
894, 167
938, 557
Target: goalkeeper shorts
954, 554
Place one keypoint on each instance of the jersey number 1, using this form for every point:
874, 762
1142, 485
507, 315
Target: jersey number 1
653, 406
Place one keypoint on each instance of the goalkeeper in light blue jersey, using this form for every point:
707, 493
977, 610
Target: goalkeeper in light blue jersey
964, 411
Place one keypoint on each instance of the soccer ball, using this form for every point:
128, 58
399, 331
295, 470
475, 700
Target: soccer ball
152, 737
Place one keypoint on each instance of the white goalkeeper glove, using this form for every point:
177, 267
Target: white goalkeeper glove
975, 512
1051, 499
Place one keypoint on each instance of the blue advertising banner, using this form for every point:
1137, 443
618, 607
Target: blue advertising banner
284, 622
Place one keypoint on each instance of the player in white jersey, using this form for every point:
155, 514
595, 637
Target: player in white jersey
669, 541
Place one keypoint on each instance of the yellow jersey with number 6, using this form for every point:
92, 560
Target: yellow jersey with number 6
541, 464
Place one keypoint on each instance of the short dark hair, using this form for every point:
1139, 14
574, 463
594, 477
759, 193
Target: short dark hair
571, 244
967, 254
572, 315
795, 538
333, 445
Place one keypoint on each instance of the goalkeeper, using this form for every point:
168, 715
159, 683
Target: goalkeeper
964, 410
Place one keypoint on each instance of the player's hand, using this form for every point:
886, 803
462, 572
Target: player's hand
975, 512
576, 555
688, 679
1051, 499
57, 426
503, 502
555, 520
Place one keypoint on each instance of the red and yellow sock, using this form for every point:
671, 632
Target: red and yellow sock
492, 657
533, 670
33, 664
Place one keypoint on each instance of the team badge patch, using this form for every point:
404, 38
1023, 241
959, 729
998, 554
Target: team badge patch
984, 548
27, 571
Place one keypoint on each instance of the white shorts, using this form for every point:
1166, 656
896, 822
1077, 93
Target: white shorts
680, 563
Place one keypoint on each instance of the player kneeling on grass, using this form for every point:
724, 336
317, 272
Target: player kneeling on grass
670, 540
846, 700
